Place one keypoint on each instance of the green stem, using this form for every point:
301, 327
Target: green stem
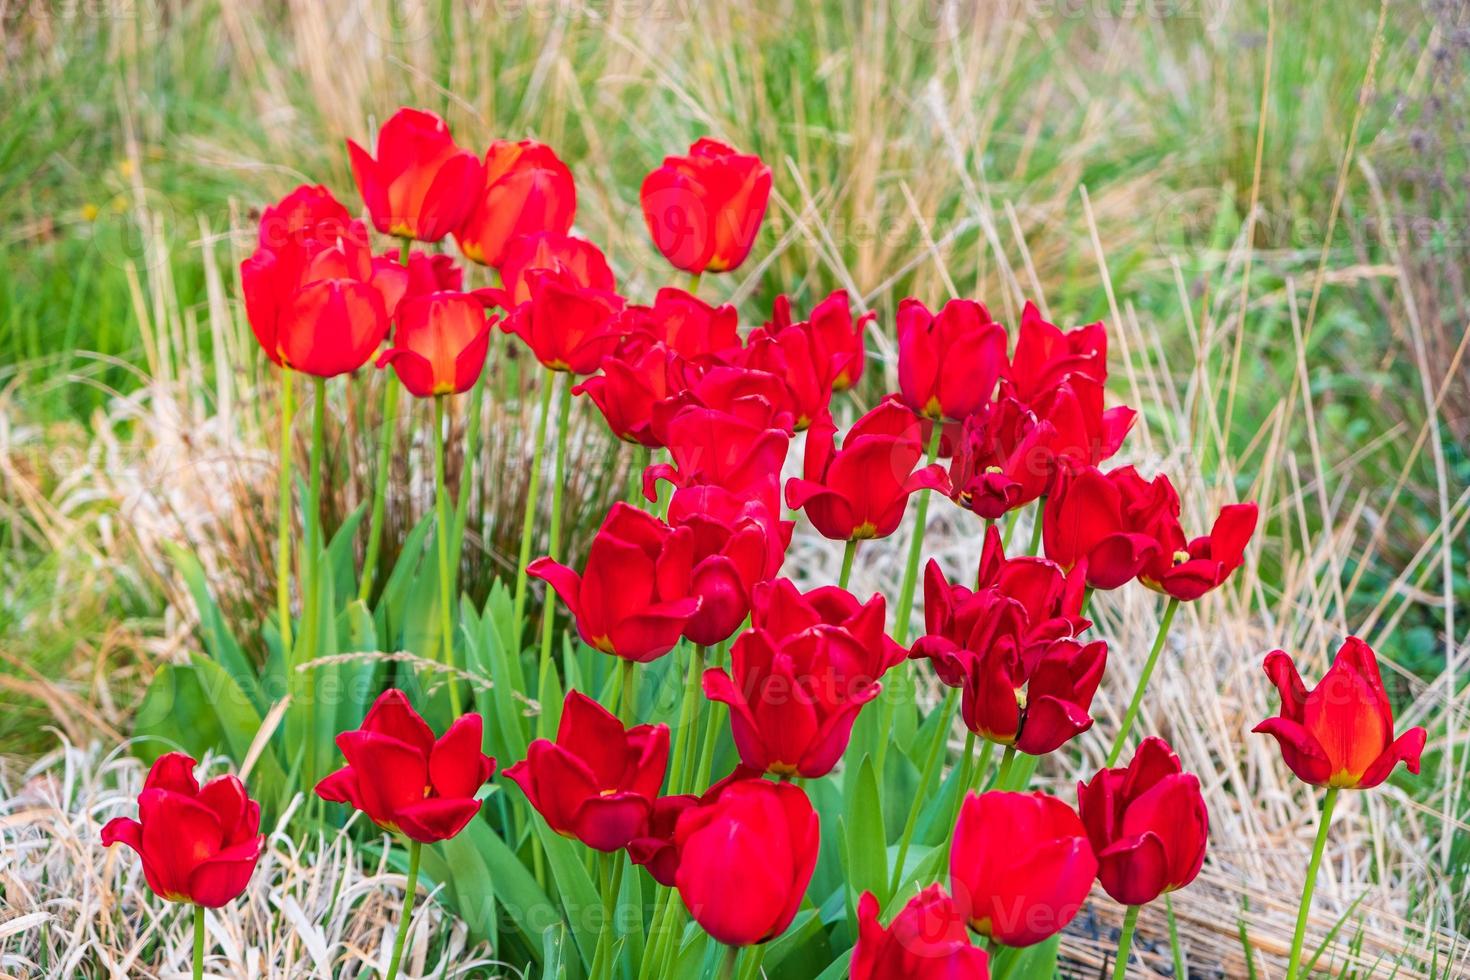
409, 889
1174, 948
533, 495
311, 592
727, 964
628, 708
442, 531
977, 777
387, 436
283, 516
198, 942
472, 445
916, 548
1003, 776
554, 550
921, 792
848, 554
694, 283
683, 755
1148, 669
612, 884
1125, 942
1036, 525
1294, 963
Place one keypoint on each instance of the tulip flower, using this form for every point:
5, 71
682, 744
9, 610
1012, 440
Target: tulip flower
1020, 865
633, 598
198, 844
759, 398
568, 327
925, 941
860, 491
440, 344
948, 362
527, 189
404, 778
791, 356
738, 543
1046, 356
1003, 459
704, 209
315, 306
688, 325
1339, 734
782, 610
571, 260
598, 781
1086, 522
420, 185
1083, 432
715, 448
1148, 824
308, 212
746, 858
836, 338
631, 384
424, 274
655, 850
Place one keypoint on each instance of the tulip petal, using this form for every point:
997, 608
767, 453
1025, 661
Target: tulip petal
392, 715
178, 833
1134, 870
223, 877
173, 771
1406, 749
608, 823
436, 818
1300, 751
123, 830
457, 767
391, 774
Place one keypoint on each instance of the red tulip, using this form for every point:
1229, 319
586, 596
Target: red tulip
424, 274
948, 362
791, 356
1003, 459
1046, 356
317, 307
1148, 824
440, 344
308, 212
527, 189
631, 384
688, 324
421, 185
1341, 732
860, 491
704, 209
573, 261
633, 597
781, 610
837, 339
738, 543
925, 941
1184, 569
655, 849
198, 844
1086, 523
715, 448
1020, 865
597, 782
406, 780
757, 397
1083, 432
745, 860
568, 327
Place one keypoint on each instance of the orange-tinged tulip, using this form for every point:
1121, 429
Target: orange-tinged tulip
420, 185
439, 346
705, 208
527, 190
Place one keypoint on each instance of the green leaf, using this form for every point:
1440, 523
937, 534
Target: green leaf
574, 886
867, 841
219, 642
239, 723
1037, 962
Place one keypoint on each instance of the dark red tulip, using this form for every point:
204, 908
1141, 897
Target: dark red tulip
1148, 824
424, 274
1084, 433
1087, 522
317, 307
527, 189
631, 384
782, 610
745, 860
421, 185
440, 344
738, 543
1184, 569
711, 447
687, 324
1003, 459
1020, 865
791, 356
837, 339
704, 209
308, 212
198, 844
406, 780
1341, 732
597, 782
568, 327
1046, 356
925, 941
572, 261
860, 491
655, 849
633, 598
948, 362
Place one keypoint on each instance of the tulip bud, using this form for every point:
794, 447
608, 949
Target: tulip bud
704, 209
527, 189
571, 261
948, 362
1047, 356
568, 327
440, 343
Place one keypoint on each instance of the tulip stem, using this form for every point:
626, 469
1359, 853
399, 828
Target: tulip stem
310, 590
1125, 942
916, 548
283, 517
727, 964
684, 744
694, 283
1148, 669
441, 532
1036, 525
409, 889
628, 708
612, 884
533, 495
387, 436
198, 941
921, 791
848, 554
1003, 775
564, 410
1294, 963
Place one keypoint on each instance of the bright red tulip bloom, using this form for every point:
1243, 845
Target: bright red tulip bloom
791, 356
780, 609
198, 844
568, 327
746, 858
421, 185
759, 398
1148, 824
1046, 356
317, 307
860, 491
837, 339
1340, 733
715, 448
308, 212
1003, 459
440, 344
406, 780
1084, 433
598, 781
655, 849
424, 274
633, 598
948, 362
925, 941
527, 189
572, 261
689, 325
1020, 865
1086, 522
738, 543
704, 209
631, 384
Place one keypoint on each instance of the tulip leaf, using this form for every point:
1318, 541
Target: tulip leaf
389, 611
838, 969
219, 642
176, 714
867, 841
553, 950
801, 950
239, 723
574, 886
1037, 962
340, 555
